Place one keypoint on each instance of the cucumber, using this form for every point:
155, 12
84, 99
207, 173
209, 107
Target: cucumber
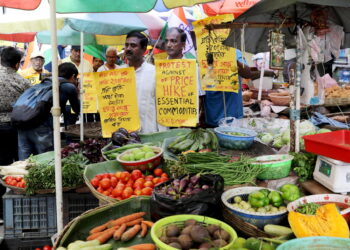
277, 230
177, 140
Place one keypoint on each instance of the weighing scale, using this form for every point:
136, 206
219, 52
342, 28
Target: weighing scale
333, 174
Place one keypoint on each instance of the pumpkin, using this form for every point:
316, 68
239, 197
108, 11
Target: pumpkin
327, 222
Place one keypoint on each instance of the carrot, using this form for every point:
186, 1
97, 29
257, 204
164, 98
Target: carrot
143, 230
106, 235
128, 235
118, 233
144, 246
94, 236
100, 228
148, 223
134, 222
126, 219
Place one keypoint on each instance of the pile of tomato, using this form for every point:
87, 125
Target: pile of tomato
46, 247
15, 181
123, 185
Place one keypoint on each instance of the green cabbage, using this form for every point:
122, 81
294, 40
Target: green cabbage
266, 138
323, 130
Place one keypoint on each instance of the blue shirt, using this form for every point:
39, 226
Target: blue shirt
220, 104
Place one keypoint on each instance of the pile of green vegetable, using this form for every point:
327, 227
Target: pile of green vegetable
308, 208
303, 165
196, 140
234, 172
113, 152
42, 176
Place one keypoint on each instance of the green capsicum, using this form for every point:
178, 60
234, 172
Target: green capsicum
290, 192
275, 198
258, 199
265, 191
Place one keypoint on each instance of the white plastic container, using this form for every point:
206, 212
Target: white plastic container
267, 83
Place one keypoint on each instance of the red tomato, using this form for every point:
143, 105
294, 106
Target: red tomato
137, 191
99, 177
18, 179
127, 192
47, 247
100, 190
105, 175
13, 182
118, 174
148, 184
37, 248
105, 183
149, 177
106, 192
115, 192
138, 184
163, 179
130, 183
111, 175
164, 175
146, 191
95, 182
136, 174
114, 181
158, 172
125, 176
156, 180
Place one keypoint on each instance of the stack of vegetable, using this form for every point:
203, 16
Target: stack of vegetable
113, 152
234, 171
183, 187
194, 141
124, 228
90, 148
122, 137
195, 235
13, 175
42, 176
303, 165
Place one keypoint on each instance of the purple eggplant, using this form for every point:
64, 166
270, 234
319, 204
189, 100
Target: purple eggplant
195, 179
196, 191
204, 187
171, 191
183, 183
188, 190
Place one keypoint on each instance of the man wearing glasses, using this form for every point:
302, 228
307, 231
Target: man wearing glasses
37, 67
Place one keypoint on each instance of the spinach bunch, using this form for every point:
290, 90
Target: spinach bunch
303, 165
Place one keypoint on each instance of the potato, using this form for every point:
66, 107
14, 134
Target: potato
185, 241
190, 222
212, 228
187, 230
172, 231
219, 243
199, 234
221, 234
205, 245
165, 239
175, 245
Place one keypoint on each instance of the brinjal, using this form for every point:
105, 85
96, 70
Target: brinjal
135, 136
123, 131
132, 141
204, 187
118, 138
196, 191
183, 183
195, 179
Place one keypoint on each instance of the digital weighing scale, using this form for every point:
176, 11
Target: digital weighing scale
333, 174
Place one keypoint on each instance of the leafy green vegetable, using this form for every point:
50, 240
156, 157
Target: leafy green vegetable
309, 208
303, 165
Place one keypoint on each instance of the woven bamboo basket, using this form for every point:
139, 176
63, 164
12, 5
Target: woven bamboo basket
78, 228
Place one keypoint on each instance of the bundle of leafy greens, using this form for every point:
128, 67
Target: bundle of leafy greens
42, 176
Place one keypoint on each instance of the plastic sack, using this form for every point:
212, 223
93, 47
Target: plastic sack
206, 202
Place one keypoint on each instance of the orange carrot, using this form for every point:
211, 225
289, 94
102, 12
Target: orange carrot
134, 222
148, 223
144, 246
143, 230
128, 235
126, 219
106, 235
100, 228
118, 233
93, 236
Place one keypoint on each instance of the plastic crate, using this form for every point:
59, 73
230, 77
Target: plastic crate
75, 204
25, 244
35, 216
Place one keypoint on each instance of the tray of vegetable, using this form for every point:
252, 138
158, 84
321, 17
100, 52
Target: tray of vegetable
124, 224
235, 138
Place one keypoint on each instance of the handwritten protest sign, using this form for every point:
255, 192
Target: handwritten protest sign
116, 91
222, 75
176, 92
90, 92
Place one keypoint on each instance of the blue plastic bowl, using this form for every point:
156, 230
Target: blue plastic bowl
235, 141
316, 243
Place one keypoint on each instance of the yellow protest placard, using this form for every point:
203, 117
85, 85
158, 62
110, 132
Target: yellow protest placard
90, 92
176, 92
222, 75
116, 92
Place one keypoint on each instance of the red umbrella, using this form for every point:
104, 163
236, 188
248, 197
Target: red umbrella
19, 37
235, 7
20, 4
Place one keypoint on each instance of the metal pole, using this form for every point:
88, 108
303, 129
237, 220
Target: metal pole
296, 115
81, 85
262, 72
56, 113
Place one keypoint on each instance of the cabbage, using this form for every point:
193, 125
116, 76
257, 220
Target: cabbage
323, 130
286, 136
266, 138
307, 128
277, 142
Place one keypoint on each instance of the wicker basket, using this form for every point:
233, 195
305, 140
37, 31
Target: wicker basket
280, 99
337, 101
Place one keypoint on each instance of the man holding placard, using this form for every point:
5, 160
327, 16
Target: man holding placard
135, 47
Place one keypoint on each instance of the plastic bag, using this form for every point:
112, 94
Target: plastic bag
206, 203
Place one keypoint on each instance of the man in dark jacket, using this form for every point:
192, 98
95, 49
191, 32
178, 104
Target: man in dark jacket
40, 139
